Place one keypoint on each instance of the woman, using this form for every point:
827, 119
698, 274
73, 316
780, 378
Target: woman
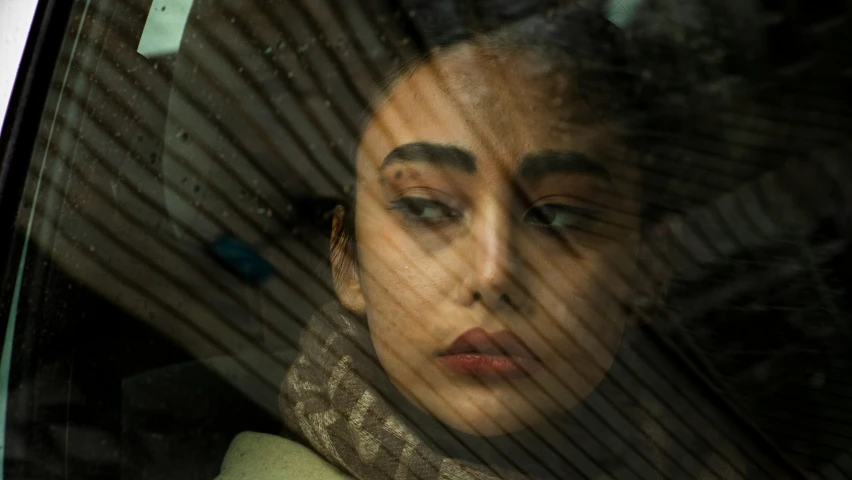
488, 272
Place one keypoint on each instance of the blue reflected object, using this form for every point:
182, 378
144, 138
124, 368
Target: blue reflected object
242, 259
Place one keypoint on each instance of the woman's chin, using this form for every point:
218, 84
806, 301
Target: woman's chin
474, 419
486, 412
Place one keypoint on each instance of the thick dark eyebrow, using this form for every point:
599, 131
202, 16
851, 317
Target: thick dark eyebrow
536, 165
432, 153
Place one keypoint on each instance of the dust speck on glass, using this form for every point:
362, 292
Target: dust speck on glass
449, 239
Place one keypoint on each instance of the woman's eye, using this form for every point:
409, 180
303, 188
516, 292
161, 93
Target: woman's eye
424, 211
557, 216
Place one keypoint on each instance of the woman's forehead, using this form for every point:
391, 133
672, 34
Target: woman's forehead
500, 107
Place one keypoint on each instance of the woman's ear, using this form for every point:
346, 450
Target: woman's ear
344, 264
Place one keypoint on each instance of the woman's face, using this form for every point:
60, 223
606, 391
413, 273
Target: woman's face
496, 229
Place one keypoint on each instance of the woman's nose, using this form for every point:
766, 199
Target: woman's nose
494, 274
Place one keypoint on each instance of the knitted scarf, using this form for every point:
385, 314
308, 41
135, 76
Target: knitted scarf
338, 398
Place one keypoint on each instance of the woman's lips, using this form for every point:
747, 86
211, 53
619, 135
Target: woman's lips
490, 366
500, 355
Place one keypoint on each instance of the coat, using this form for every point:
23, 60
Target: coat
260, 456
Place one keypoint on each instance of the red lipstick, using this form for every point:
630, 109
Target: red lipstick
500, 355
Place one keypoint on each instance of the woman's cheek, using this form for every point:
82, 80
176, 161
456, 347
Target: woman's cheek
392, 288
384, 254
424, 271
580, 315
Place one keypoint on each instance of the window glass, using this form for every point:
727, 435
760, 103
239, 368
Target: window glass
450, 239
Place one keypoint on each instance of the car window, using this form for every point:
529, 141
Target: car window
532, 239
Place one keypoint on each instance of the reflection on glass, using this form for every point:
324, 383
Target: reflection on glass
437, 240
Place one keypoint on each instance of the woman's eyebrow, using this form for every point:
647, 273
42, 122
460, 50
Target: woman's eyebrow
536, 165
432, 153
